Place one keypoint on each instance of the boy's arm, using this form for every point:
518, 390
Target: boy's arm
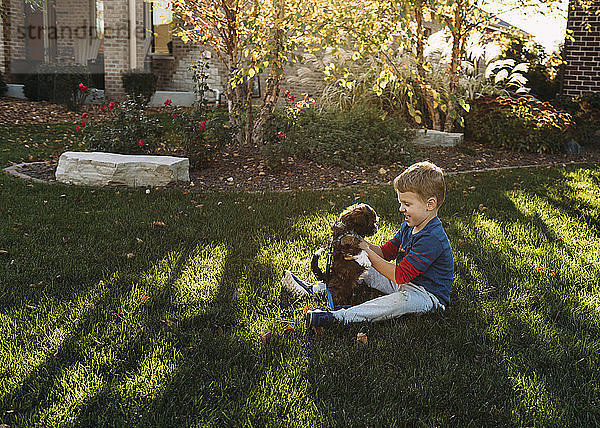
375, 254
375, 248
381, 265
412, 265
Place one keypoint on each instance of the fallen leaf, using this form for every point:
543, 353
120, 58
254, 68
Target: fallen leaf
265, 338
361, 338
144, 299
168, 323
139, 241
3, 252
30, 307
158, 224
481, 208
130, 255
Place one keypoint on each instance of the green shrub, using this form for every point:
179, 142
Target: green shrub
362, 136
521, 124
202, 133
3, 86
585, 110
57, 83
128, 130
139, 85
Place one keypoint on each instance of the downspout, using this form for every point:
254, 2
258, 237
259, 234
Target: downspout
132, 39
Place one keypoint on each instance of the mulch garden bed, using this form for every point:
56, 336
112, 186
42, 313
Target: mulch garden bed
243, 169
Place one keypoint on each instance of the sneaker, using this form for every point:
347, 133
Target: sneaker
295, 285
317, 318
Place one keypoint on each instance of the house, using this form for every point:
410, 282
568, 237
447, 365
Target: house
581, 73
98, 33
111, 36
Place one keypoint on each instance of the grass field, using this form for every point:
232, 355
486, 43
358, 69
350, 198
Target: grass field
121, 308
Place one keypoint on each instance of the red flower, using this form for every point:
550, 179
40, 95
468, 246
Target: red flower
168, 102
202, 125
175, 115
141, 143
286, 93
102, 108
82, 87
291, 98
77, 128
83, 123
281, 135
111, 105
84, 115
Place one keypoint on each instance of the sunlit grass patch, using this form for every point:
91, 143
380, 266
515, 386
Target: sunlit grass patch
123, 322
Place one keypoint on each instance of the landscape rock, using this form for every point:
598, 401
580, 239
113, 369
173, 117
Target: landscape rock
432, 138
106, 169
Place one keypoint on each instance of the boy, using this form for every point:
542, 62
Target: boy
421, 278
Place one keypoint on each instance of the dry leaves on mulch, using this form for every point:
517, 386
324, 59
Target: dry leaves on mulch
244, 170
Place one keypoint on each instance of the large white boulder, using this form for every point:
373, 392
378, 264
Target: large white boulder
105, 169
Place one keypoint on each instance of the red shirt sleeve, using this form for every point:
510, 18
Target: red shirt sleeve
389, 251
405, 272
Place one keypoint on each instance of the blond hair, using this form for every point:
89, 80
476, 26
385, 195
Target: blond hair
425, 179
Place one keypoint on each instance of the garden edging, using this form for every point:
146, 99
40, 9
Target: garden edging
13, 170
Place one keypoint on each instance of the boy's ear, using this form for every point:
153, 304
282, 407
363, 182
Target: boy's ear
432, 203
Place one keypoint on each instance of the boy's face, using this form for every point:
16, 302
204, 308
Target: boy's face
417, 212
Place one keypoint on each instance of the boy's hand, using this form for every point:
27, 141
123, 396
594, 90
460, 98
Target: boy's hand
363, 245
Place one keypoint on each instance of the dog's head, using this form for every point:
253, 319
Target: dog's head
358, 218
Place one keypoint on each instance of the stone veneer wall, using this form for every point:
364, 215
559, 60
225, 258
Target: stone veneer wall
173, 71
582, 70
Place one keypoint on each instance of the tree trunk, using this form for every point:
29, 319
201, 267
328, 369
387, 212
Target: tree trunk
455, 63
433, 113
249, 123
266, 110
272, 89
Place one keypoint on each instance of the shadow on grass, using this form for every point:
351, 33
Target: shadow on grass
207, 339
499, 354
496, 357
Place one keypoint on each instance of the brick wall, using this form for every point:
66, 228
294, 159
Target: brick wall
116, 44
13, 35
582, 55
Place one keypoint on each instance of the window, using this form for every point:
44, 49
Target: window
162, 19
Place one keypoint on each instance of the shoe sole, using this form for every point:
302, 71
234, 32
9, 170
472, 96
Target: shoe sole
291, 285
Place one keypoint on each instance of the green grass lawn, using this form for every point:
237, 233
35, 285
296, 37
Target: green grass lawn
107, 320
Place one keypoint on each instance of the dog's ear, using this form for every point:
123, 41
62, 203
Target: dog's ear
338, 229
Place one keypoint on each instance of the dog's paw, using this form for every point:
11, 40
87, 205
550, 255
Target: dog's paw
362, 259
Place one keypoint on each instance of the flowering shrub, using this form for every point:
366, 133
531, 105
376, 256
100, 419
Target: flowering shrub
201, 133
126, 130
357, 137
521, 124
